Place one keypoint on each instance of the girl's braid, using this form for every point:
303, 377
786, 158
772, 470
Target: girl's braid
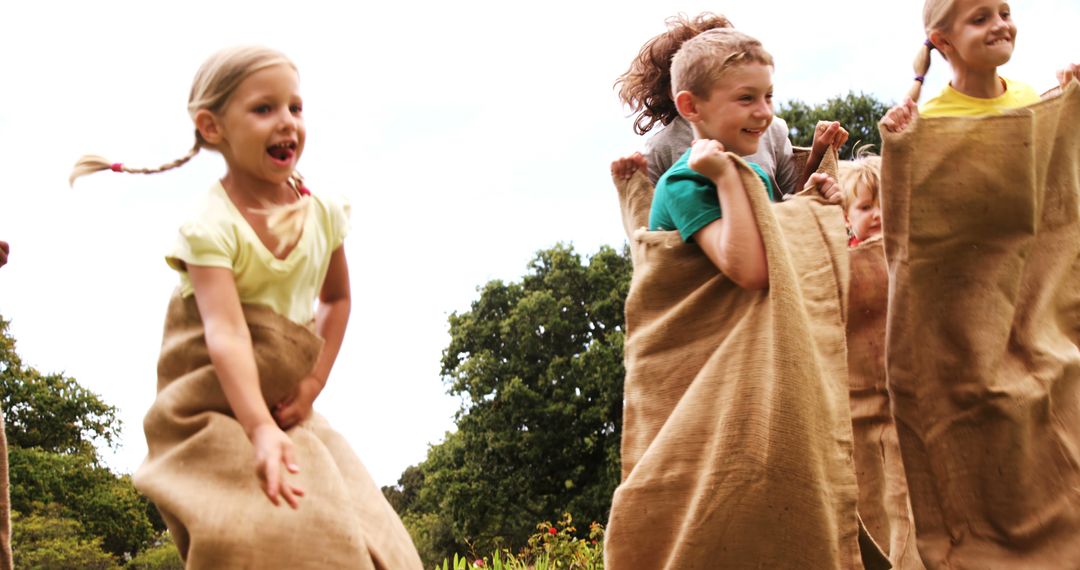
91, 163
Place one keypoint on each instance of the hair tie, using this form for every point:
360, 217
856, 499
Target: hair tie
116, 167
304, 191
929, 44
920, 78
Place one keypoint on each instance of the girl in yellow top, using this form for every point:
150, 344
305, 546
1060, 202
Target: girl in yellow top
236, 381
975, 37
245, 103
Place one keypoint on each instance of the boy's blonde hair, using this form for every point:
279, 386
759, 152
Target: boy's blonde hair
937, 16
702, 60
646, 86
214, 84
864, 170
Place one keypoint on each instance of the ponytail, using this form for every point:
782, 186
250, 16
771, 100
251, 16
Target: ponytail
91, 163
921, 65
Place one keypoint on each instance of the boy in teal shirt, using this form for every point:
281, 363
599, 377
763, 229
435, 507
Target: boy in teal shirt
722, 81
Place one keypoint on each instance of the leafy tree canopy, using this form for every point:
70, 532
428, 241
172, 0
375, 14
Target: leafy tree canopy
538, 366
50, 411
859, 114
56, 474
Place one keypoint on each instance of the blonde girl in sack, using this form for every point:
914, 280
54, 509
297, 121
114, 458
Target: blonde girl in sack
975, 37
254, 261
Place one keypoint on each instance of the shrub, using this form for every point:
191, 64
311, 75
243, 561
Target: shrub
551, 547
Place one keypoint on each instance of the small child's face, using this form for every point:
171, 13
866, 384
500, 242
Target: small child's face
982, 35
739, 109
262, 125
864, 213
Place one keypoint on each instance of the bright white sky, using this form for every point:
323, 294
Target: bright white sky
468, 135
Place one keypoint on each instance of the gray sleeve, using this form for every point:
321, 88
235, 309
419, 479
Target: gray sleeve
785, 175
666, 146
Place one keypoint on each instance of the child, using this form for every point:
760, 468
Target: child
861, 179
728, 436
646, 89
239, 369
975, 37
722, 81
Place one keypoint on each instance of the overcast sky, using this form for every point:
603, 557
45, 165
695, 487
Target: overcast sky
467, 135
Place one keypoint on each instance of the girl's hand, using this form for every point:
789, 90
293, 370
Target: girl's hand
707, 158
826, 186
899, 117
828, 133
297, 407
272, 450
1071, 71
625, 167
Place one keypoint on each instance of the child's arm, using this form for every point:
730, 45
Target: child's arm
331, 318
1070, 72
825, 134
625, 167
229, 344
826, 186
900, 116
733, 243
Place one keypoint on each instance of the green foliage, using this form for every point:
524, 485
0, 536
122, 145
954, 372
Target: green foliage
107, 505
553, 546
47, 539
52, 426
859, 114
162, 556
538, 366
430, 534
50, 411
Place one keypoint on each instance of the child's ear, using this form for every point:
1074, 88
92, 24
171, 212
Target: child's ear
940, 42
208, 126
686, 104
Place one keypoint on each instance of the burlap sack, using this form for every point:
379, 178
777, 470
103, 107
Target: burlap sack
200, 465
982, 236
883, 497
5, 502
737, 440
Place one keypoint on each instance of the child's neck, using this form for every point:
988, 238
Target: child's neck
251, 192
980, 83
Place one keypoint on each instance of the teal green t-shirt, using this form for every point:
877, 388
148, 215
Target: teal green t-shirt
685, 200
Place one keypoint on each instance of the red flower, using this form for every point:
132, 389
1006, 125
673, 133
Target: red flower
552, 531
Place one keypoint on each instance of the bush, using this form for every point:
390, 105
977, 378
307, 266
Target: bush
48, 540
553, 546
162, 556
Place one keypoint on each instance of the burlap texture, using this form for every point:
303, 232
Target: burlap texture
982, 238
5, 502
883, 497
737, 439
200, 465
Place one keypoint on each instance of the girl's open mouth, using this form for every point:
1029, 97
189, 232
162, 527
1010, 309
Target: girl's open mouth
282, 152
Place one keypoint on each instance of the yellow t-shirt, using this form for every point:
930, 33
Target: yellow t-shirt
952, 103
221, 237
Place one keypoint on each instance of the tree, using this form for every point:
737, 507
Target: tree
50, 412
538, 365
47, 539
53, 424
859, 114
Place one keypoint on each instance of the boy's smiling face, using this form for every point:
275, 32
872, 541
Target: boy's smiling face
738, 110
